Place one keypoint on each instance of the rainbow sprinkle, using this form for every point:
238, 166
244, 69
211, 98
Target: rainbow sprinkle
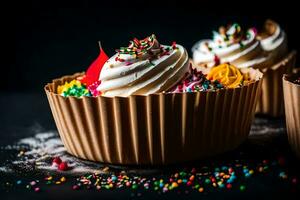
74, 88
196, 81
205, 179
138, 48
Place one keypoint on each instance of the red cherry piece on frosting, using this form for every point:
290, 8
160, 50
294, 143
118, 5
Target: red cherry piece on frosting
93, 72
63, 166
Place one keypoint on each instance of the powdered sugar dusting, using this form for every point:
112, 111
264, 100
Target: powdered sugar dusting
36, 152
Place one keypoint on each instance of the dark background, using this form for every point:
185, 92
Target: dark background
47, 39
42, 40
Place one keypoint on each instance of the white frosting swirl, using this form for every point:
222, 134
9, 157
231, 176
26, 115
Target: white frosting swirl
231, 45
273, 40
158, 69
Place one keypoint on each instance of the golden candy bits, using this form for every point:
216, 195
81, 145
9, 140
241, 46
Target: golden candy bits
228, 75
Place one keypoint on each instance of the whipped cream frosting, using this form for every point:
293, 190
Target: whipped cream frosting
233, 45
144, 67
273, 39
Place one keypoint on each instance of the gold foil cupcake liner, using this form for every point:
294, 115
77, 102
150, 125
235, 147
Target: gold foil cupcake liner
156, 129
271, 101
292, 111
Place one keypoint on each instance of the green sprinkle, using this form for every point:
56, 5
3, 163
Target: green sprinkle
207, 181
242, 188
134, 186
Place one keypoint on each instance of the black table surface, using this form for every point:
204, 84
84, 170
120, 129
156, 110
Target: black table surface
23, 112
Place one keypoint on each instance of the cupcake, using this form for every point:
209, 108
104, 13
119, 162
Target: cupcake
230, 44
144, 67
291, 90
265, 50
274, 41
149, 106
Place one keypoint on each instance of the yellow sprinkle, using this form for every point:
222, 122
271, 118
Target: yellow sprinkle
63, 88
63, 179
174, 185
201, 189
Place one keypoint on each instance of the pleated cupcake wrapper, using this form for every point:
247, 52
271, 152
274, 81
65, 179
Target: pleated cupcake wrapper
271, 101
156, 129
292, 112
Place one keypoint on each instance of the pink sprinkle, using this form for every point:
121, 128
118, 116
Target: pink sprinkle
128, 63
254, 30
93, 88
128, 184
75, 187
294, 181
174, 45
32, 183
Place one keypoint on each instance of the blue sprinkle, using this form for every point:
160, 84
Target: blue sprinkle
230, 180
217, 169
113, 178
282, 174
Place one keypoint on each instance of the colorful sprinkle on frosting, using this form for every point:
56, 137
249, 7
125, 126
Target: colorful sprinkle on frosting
227, 36
74, 88
138, 47
146, 47
196, 81
219, 77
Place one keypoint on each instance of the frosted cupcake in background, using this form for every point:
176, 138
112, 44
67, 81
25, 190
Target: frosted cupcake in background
291, 88
146, 105
265, 50
230, 44
274, 42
